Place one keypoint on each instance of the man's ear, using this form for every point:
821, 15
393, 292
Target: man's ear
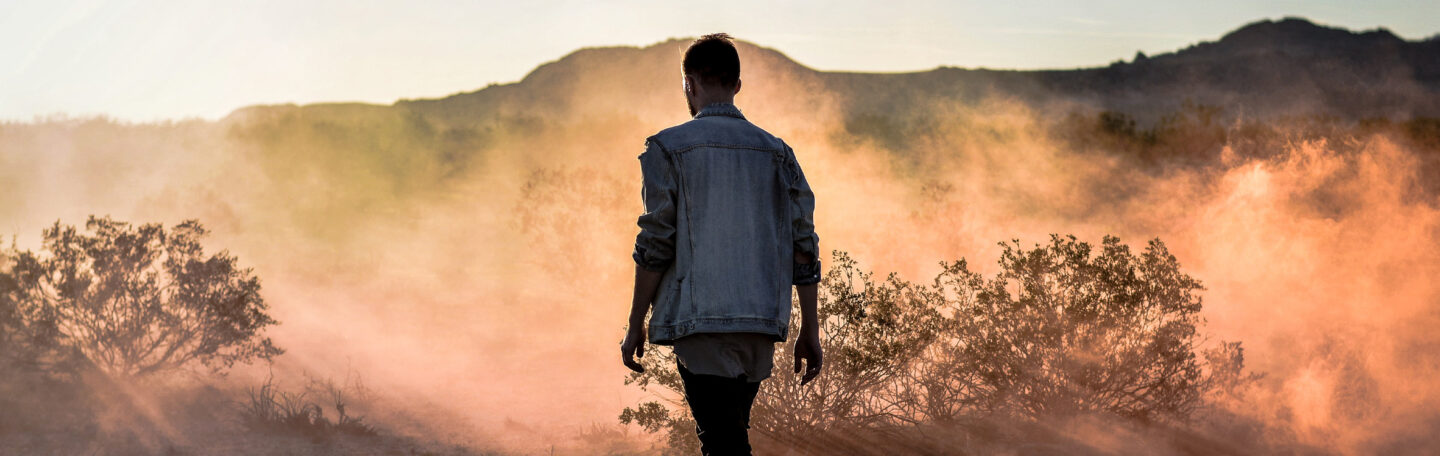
689, 85
737, 87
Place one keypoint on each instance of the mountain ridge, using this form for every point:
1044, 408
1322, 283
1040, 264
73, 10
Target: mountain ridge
1265, 68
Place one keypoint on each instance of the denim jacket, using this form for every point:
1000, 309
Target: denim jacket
726, 209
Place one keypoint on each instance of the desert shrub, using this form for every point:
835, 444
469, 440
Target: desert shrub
1060, 329
652, 416
870, 329
269, 408
128, 301
1194, 134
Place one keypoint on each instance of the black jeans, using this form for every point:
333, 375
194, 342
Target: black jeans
721, 406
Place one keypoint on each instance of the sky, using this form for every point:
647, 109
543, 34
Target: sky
141, 60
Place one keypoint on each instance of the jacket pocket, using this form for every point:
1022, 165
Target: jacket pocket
685, 299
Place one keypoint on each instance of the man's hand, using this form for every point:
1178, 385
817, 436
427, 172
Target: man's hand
632, 347
646, 281
807, 348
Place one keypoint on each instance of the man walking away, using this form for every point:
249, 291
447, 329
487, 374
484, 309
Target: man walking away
728, 228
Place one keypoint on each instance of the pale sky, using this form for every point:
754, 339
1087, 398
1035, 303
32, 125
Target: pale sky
143, 60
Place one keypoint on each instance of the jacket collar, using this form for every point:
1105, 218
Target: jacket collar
720, 109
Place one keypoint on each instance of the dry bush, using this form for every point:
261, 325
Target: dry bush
1060, 331
272, 409
128, 301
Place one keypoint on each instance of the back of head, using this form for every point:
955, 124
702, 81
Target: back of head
712, 59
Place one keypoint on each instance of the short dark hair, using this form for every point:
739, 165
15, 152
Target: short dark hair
713, 60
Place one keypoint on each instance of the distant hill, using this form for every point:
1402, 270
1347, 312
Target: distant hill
1275, 68
594, 101
1264, 69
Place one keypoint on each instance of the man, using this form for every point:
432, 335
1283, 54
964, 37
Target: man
728, 228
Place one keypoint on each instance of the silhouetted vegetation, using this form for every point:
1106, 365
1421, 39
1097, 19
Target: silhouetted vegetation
1198, 136
1192, 135
1061, 330
271, 409
128, 301
134, 303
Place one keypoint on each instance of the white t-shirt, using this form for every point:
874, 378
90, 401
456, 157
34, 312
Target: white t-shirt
727, 354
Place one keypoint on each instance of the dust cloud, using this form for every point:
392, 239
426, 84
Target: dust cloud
474, 271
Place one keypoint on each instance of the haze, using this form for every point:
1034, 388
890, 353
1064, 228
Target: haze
145, 60
467, 256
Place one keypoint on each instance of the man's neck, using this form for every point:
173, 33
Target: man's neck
729, 101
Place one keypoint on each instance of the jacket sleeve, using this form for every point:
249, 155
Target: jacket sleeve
802, 223
655, 245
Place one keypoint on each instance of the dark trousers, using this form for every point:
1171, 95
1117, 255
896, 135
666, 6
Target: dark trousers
721, 406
